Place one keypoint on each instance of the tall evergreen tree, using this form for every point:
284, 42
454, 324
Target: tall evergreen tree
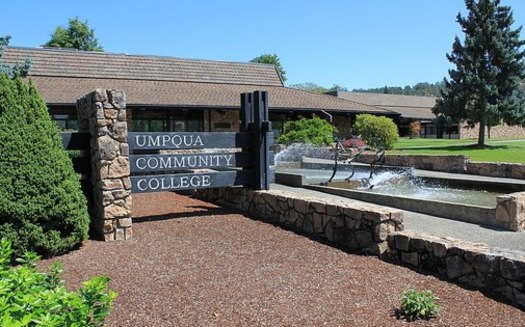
484, 86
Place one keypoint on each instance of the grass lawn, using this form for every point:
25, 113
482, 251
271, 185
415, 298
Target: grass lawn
495, 151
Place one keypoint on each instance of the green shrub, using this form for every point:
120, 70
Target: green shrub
32, 298
418, 305
42, 207
378, 132
314, 131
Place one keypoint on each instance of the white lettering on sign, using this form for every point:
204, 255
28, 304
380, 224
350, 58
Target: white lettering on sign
173, 182
166, 140
190, 161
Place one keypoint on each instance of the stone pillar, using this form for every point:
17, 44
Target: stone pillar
102, 113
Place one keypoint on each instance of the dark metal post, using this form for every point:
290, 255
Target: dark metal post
246, 111
261, 129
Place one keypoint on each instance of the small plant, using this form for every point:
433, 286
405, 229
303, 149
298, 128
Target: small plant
415, 129
417, 305
29, 297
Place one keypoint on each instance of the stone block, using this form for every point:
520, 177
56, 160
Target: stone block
402, 242
318, 207
418, 243
300, 205
117, 98
121, 115
513, 269
119, 131
379, 249
112, 184
457, 267
116, 211
126, 182
318, 223
329, 232
111, 113
100, 95
439, 249
124, 222
411, 258
108, 148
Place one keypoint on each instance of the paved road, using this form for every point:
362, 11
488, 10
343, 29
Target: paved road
440, 226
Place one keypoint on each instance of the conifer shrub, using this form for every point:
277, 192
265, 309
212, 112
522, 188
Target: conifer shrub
42, 207
314, 131
378, 132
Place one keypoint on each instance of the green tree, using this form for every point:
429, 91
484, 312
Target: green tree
272, 59
78, 35
314, 131
21, 70
484, 86
42, 207
378, 132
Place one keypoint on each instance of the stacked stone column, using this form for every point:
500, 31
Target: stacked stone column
102, 113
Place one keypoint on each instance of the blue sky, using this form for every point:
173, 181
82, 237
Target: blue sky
356, 44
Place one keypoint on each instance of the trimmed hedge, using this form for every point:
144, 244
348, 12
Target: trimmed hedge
42, 207
314, 131
379, 132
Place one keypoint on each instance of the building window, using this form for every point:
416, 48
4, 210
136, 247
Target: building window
66, 122
167, 120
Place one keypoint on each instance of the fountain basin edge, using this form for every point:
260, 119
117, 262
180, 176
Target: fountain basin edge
464, 212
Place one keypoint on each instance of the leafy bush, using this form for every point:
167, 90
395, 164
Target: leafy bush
314, 131
42, 207
32, 298
418, 305
378, 132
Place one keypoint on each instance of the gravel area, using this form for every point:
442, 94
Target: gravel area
192, 263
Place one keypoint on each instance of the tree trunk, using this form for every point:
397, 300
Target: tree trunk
481, 135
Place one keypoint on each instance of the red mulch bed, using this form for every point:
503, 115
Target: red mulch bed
192, 263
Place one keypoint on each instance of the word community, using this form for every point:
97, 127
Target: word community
185, 161
173, 182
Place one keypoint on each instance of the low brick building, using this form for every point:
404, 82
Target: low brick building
173, 94
419, 108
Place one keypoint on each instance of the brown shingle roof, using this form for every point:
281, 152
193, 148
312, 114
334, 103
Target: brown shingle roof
72, 63
62, 76
65, 90
409, 106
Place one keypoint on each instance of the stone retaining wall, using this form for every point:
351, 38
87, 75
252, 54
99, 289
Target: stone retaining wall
452, 164
496, 169
494, 270
355, 227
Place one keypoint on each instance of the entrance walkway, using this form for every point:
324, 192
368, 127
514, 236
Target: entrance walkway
440, 226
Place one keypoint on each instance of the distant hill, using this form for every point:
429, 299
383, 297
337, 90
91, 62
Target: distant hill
420, 89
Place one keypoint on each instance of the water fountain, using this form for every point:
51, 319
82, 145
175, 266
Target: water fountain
405, 188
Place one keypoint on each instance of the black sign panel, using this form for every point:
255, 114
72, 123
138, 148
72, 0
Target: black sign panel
167, 162
174, 140
178, 182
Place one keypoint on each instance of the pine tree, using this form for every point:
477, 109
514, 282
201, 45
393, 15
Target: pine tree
42, 207
484, 86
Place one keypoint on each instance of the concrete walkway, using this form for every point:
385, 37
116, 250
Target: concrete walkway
440, 226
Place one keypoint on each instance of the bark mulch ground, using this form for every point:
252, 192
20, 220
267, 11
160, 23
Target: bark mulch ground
192, 263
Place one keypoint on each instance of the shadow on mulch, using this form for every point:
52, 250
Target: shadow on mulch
200, 211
